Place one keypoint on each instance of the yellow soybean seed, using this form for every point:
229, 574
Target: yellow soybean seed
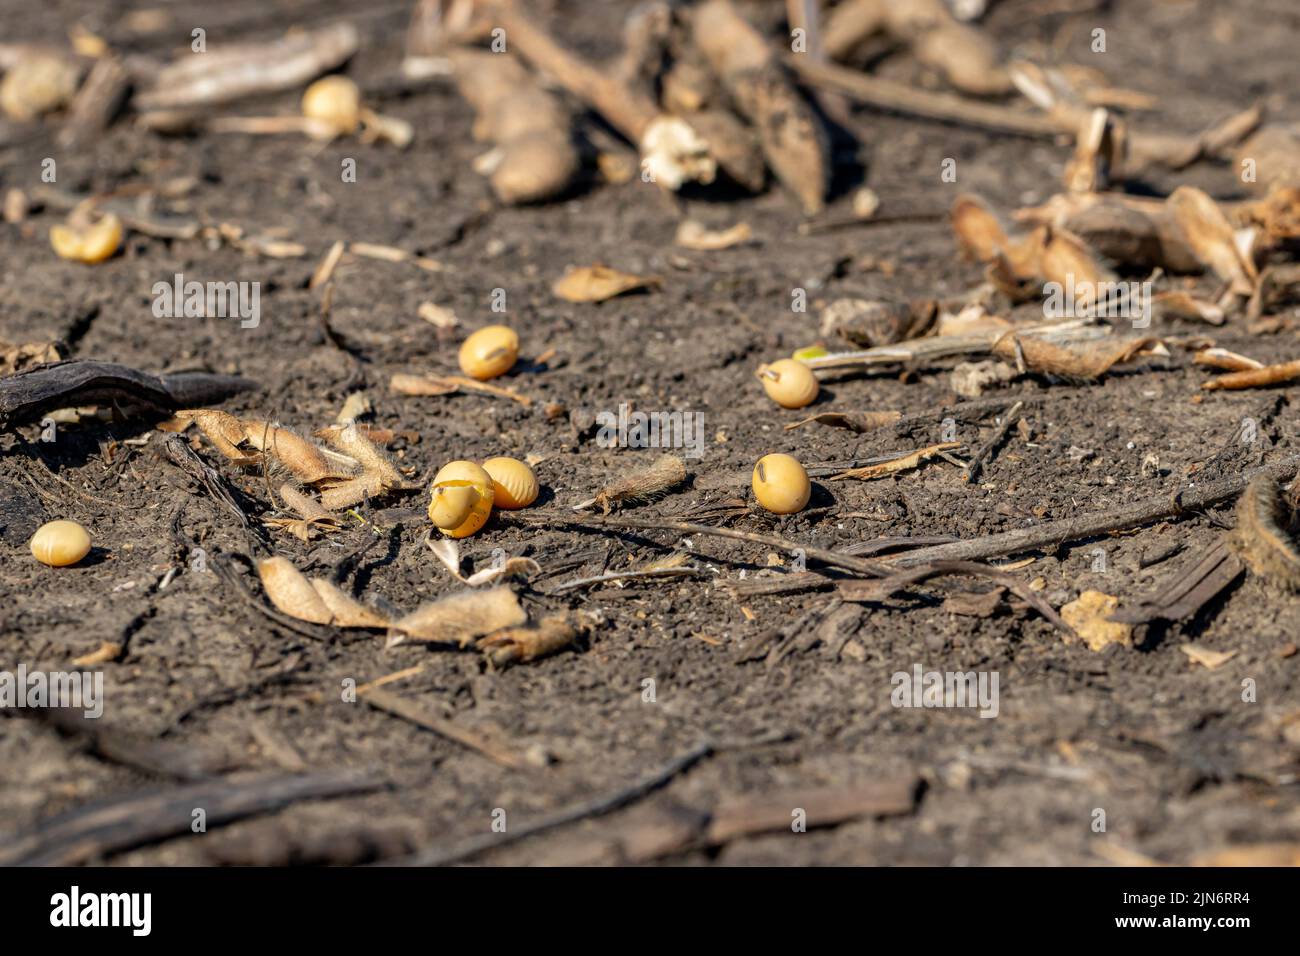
37, 84
463, 474
60, 543
789, 383
781, 485
515, 483
90, 245
334, 100
489, 352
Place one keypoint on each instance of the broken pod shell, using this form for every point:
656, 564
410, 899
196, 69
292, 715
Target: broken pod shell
457, 484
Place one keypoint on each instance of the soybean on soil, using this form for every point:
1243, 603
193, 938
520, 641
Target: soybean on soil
1178, 762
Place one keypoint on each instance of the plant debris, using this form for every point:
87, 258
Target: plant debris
598, 283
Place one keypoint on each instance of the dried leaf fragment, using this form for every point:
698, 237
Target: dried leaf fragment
1207, 657
15, 358
1089, 617
904, 463
598, 283
853, 421
692, 234
422, 385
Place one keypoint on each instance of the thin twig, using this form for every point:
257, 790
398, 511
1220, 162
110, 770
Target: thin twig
944, 107
824, 555
1055, 533
989, 447
120, 823
417, 713
599, 806
626, 575
876, 590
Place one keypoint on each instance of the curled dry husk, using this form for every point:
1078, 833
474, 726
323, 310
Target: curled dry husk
1039, 355
1019, 266
1138, 232
316, 599
1261, 536
346, 611
598, 283
447, 551
457, 619
664, 474
867, 323
535, 157
1212, 239
966, 57
312, 516
460, 618
360, 470
1274, 152
791, 136
550, 635
291, 592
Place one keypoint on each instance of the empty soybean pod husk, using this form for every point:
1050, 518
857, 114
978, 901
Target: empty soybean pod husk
792, 138
535, 157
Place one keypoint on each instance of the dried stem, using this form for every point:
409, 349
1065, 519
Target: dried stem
1055, 533
944, 107
824, 555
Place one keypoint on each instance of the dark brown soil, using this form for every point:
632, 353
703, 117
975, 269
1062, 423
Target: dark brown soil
1169, 750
